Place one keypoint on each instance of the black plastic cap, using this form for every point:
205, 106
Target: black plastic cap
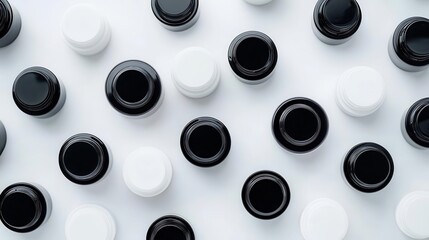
170, 227
6, 17
417, 122
175, 12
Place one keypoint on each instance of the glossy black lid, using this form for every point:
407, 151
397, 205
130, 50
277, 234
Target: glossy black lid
337, 19
300, 125
6, 17
36, 91
133, 87
84, 159
23, 207
417, 122
265, 195
411, 41
169, 228
175, 12
205, 142
368, 167
252, 55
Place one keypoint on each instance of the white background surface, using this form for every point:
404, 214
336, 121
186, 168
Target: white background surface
210, 198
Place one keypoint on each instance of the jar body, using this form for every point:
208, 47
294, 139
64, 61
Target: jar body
15, 27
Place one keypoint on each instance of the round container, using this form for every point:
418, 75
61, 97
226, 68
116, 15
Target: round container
195, 72
170, 227
415, 124
258, 2
412, 215
368, 167
335, 21
84, 159
265, 195
147, 172
300, 125
85, 30
10, 23
205, 142
324, 219
360, 91
253, 57
90, 222
3, 137
409, 45
134, 88
38, 92
24, 207
176, 15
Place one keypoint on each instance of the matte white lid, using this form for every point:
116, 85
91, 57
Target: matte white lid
360, 91
258, 2
324, 219
412, 215
195, 72
90, 222
147, 172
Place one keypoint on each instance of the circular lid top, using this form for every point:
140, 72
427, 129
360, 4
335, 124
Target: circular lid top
133, 87
265, 195
411, 41
205, 142
368, 167
337, 19
84, 159
6, 17
412, 215
324, 219
300, 125
147, 172
195, 70
170, 227
175, 12
90, 222
22, 207
252, 55
36, 91
417, 122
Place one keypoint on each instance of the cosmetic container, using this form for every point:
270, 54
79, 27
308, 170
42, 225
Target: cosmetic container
176, 15
412, 215
415, 124
170, 227
3, 137
10, 23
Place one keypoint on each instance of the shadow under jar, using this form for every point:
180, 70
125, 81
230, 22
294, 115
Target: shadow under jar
134, 88
170, 227
300, 125
176, 15
368, 167
415, 124
10, 23
253, 57
409, 45
335, 21
38, 92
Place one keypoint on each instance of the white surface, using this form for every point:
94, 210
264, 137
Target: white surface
412, 215
324, 219
147, 172
90, 222
210, 199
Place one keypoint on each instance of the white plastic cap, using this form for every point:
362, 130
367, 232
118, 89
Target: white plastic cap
258, 2
360, 91
195, 72
90, 222
412, 215
85, 30
147, 172
324, 219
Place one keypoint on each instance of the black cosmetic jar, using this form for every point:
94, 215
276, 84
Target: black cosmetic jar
134, 88
170, 227
415, 124
24, 207
205, 142
10, 23
368, 167
335, 21
300, 125
3, 137
84, 159
253, 57
176, 15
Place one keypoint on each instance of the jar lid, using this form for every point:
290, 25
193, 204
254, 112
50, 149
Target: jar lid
6, 17
175, 12
417, 122
337, 19
412, 215
300, 125
170, 227
3, 137
133, 88
36, 91
252, 56
368, 167
205, 142
84, 159
265, 195
23, 207
147, 172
